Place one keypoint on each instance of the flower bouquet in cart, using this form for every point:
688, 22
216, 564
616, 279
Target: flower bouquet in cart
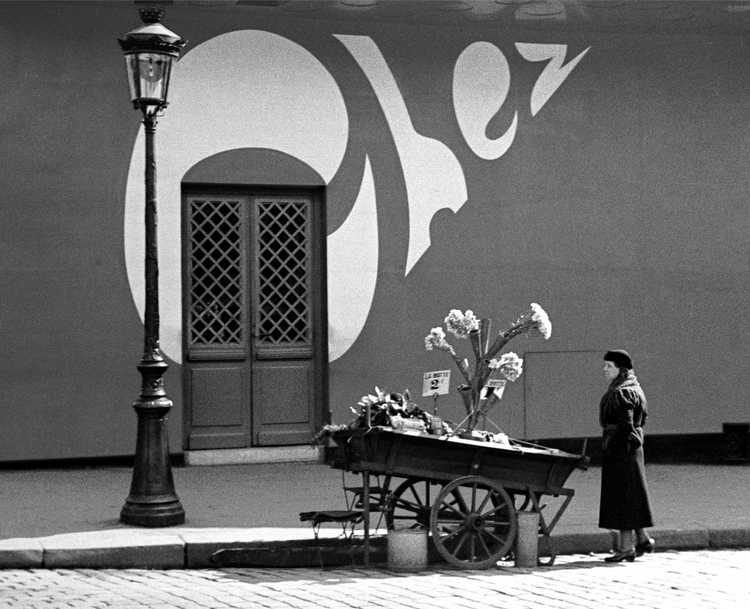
481, 390
385, 409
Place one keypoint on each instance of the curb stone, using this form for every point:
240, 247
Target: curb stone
579, 543
217, 548
21, 554
729, 538
114, 550
681, 539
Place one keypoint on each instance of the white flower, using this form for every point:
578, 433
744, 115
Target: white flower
436, 340
509, 364
540, 317
460, 324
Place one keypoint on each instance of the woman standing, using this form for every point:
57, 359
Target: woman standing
624, 505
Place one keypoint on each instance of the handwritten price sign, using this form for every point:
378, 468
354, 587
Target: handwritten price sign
496, 386
436, 383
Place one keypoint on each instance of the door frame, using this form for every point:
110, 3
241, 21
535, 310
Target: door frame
320, 389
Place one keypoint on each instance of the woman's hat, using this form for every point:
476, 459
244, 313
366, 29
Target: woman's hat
620, 358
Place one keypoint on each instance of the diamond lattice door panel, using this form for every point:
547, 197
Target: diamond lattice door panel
217, 367
282, 307
253, 330
282, 280
217, 274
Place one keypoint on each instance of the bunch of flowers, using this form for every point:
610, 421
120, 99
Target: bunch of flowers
436, 340
535, 321
460, 324
467, 325
509, 364
387, 410
383, 406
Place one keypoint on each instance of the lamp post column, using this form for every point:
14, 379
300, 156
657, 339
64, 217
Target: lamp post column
150, 51
152, 501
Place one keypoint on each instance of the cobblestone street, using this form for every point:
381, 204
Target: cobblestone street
670, 579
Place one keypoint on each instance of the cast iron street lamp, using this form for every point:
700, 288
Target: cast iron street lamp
149, 52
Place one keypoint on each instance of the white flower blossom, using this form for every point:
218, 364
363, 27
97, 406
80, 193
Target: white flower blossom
509, 364
543, 324
436, 340
460, 324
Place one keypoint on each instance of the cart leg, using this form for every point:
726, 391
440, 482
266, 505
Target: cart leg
545, 533
552, 553
366, 514
546, 530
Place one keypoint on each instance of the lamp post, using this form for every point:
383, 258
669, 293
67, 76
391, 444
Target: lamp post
149, 52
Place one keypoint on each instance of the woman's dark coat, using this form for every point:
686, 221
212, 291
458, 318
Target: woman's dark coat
624, 498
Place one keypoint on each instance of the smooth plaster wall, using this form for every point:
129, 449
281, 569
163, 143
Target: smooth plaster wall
620, 207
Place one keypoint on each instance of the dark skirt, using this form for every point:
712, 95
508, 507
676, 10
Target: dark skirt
624, 501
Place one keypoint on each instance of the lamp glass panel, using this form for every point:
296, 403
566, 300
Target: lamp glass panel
149, 75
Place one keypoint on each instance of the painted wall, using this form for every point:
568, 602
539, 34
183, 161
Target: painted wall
599, 175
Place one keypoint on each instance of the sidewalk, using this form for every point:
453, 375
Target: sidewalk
68, 518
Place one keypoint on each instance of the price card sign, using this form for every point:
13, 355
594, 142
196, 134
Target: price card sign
436, 383
497, 386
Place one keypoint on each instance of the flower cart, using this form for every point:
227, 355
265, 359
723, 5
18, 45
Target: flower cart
465, 492
463, 485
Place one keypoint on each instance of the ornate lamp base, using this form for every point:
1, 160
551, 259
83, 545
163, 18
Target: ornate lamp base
153, 515
152, 501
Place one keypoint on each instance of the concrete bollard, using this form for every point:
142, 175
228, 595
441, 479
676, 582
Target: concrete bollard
407, 550
527, 539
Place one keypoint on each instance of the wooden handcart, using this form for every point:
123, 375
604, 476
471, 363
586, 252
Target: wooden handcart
465, 492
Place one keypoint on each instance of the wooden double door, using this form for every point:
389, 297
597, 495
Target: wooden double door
254, 309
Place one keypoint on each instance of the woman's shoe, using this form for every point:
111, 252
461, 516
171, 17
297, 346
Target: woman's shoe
645, 547
620, 556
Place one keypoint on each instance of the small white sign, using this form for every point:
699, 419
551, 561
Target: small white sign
497, 386
436, 383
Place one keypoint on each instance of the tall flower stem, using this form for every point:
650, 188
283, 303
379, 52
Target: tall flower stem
484, 334
465, 391
476, 345
499, 343
462, 367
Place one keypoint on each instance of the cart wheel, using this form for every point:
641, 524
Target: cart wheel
409, 504
473, 522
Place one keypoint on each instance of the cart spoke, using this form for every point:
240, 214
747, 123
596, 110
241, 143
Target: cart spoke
451, 510
495, 510
474, 497
487, 497
417, 498
487, 551
497, 523
497, 539
452, 524
451, 533
461, 502
408, 505
472, 547
453, 507
460, 543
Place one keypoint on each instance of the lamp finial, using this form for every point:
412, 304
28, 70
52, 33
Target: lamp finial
151, 14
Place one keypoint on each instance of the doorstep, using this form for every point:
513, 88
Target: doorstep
266, 454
